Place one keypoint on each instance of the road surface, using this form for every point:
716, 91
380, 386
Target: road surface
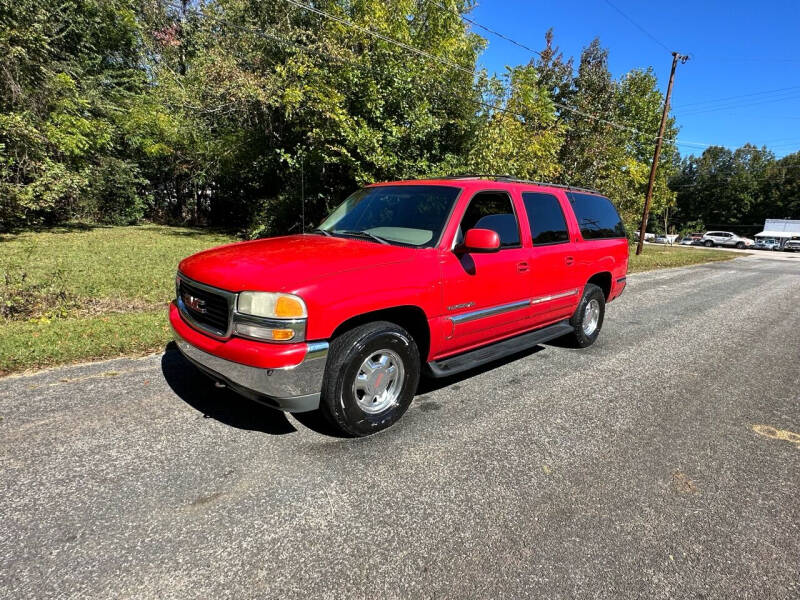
663, 462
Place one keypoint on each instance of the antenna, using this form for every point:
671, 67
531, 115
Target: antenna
302, 198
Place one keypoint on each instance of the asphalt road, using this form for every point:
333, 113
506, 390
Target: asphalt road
663, 462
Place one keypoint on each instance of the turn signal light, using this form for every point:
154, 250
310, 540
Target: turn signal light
259, 332
288, 307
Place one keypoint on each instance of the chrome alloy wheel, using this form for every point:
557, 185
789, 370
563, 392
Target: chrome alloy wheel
591, 316
379, 381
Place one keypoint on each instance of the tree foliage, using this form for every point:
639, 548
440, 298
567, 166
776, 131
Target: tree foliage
737, 189
260, 115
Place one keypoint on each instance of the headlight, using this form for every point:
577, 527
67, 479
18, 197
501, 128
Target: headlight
272, 306
268, 316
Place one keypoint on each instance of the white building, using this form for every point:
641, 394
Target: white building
780, 229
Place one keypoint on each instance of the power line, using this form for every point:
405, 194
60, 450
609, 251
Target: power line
639, 27
677, 141
486, 29
727, 98
519, 44
764, 177
761, 59
286, 42
458, 67
735, 105
449, 63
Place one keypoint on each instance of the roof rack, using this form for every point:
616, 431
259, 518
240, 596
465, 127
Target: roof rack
512, 179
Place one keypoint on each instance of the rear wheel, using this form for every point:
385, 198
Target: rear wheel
588, 318
370, 379
708, 243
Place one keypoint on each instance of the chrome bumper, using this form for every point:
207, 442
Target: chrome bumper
293, 389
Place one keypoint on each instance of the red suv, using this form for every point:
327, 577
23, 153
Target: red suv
403, 278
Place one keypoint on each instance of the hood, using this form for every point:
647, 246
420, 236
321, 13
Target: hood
283, 264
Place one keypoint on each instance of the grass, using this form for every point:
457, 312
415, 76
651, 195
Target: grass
29, 344
82, 292
133, 263
656, 256
79, 292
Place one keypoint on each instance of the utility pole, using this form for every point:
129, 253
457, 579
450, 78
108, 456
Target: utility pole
649, 197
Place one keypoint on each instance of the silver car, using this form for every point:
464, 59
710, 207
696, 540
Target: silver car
767, 244
792, 246
725, 238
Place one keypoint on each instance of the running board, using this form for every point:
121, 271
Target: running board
484, 354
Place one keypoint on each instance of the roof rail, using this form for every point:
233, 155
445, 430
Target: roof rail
512, 179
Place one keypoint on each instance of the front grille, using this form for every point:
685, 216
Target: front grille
211, 311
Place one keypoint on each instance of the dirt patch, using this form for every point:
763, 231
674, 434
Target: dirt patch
681, 484
100, 306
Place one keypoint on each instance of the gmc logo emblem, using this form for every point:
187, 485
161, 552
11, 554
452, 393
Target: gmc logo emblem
196, 304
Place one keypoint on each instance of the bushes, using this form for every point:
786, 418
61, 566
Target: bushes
116, 192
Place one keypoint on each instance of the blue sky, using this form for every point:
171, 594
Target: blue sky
744, 74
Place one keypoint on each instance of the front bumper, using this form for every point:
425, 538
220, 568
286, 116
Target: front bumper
293, 389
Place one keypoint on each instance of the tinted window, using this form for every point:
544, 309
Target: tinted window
596, 216
492, 210
545, 218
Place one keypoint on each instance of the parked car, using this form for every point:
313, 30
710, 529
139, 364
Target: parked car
402, 279
725, 238
792, 246
687, 241
767, 244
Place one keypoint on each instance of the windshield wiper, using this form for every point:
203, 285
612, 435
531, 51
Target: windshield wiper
365, 234
322, 232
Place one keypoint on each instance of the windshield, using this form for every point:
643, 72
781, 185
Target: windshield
412, 215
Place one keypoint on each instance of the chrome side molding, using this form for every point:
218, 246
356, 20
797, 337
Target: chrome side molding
541, 299
488, 312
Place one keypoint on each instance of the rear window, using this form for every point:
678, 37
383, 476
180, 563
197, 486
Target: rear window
597, 217
545, 219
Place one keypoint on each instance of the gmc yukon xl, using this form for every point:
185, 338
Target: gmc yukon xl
403, 279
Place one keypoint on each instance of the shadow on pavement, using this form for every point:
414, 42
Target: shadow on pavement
429, 384
198, 391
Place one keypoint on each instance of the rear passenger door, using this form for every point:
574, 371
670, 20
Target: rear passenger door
554, 282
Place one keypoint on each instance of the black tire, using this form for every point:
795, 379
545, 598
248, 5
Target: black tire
578, 338
347, 354
740, 245
708, 244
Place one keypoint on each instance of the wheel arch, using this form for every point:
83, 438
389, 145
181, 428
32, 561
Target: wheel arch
411, 318
603, 281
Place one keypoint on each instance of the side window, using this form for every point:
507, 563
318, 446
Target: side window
545, 218
597, 217
492, 210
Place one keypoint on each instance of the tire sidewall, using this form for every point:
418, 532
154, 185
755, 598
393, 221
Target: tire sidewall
349, 415
591, 292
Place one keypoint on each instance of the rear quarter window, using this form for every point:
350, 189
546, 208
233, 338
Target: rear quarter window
597, 217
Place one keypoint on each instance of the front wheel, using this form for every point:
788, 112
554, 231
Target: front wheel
740, 245
588, 318
370, 379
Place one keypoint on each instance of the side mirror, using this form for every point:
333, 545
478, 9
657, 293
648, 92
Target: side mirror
481, 240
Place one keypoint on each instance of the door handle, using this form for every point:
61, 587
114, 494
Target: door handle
522, 266
569, 260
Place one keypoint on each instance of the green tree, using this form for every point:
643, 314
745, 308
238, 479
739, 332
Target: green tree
521, 136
